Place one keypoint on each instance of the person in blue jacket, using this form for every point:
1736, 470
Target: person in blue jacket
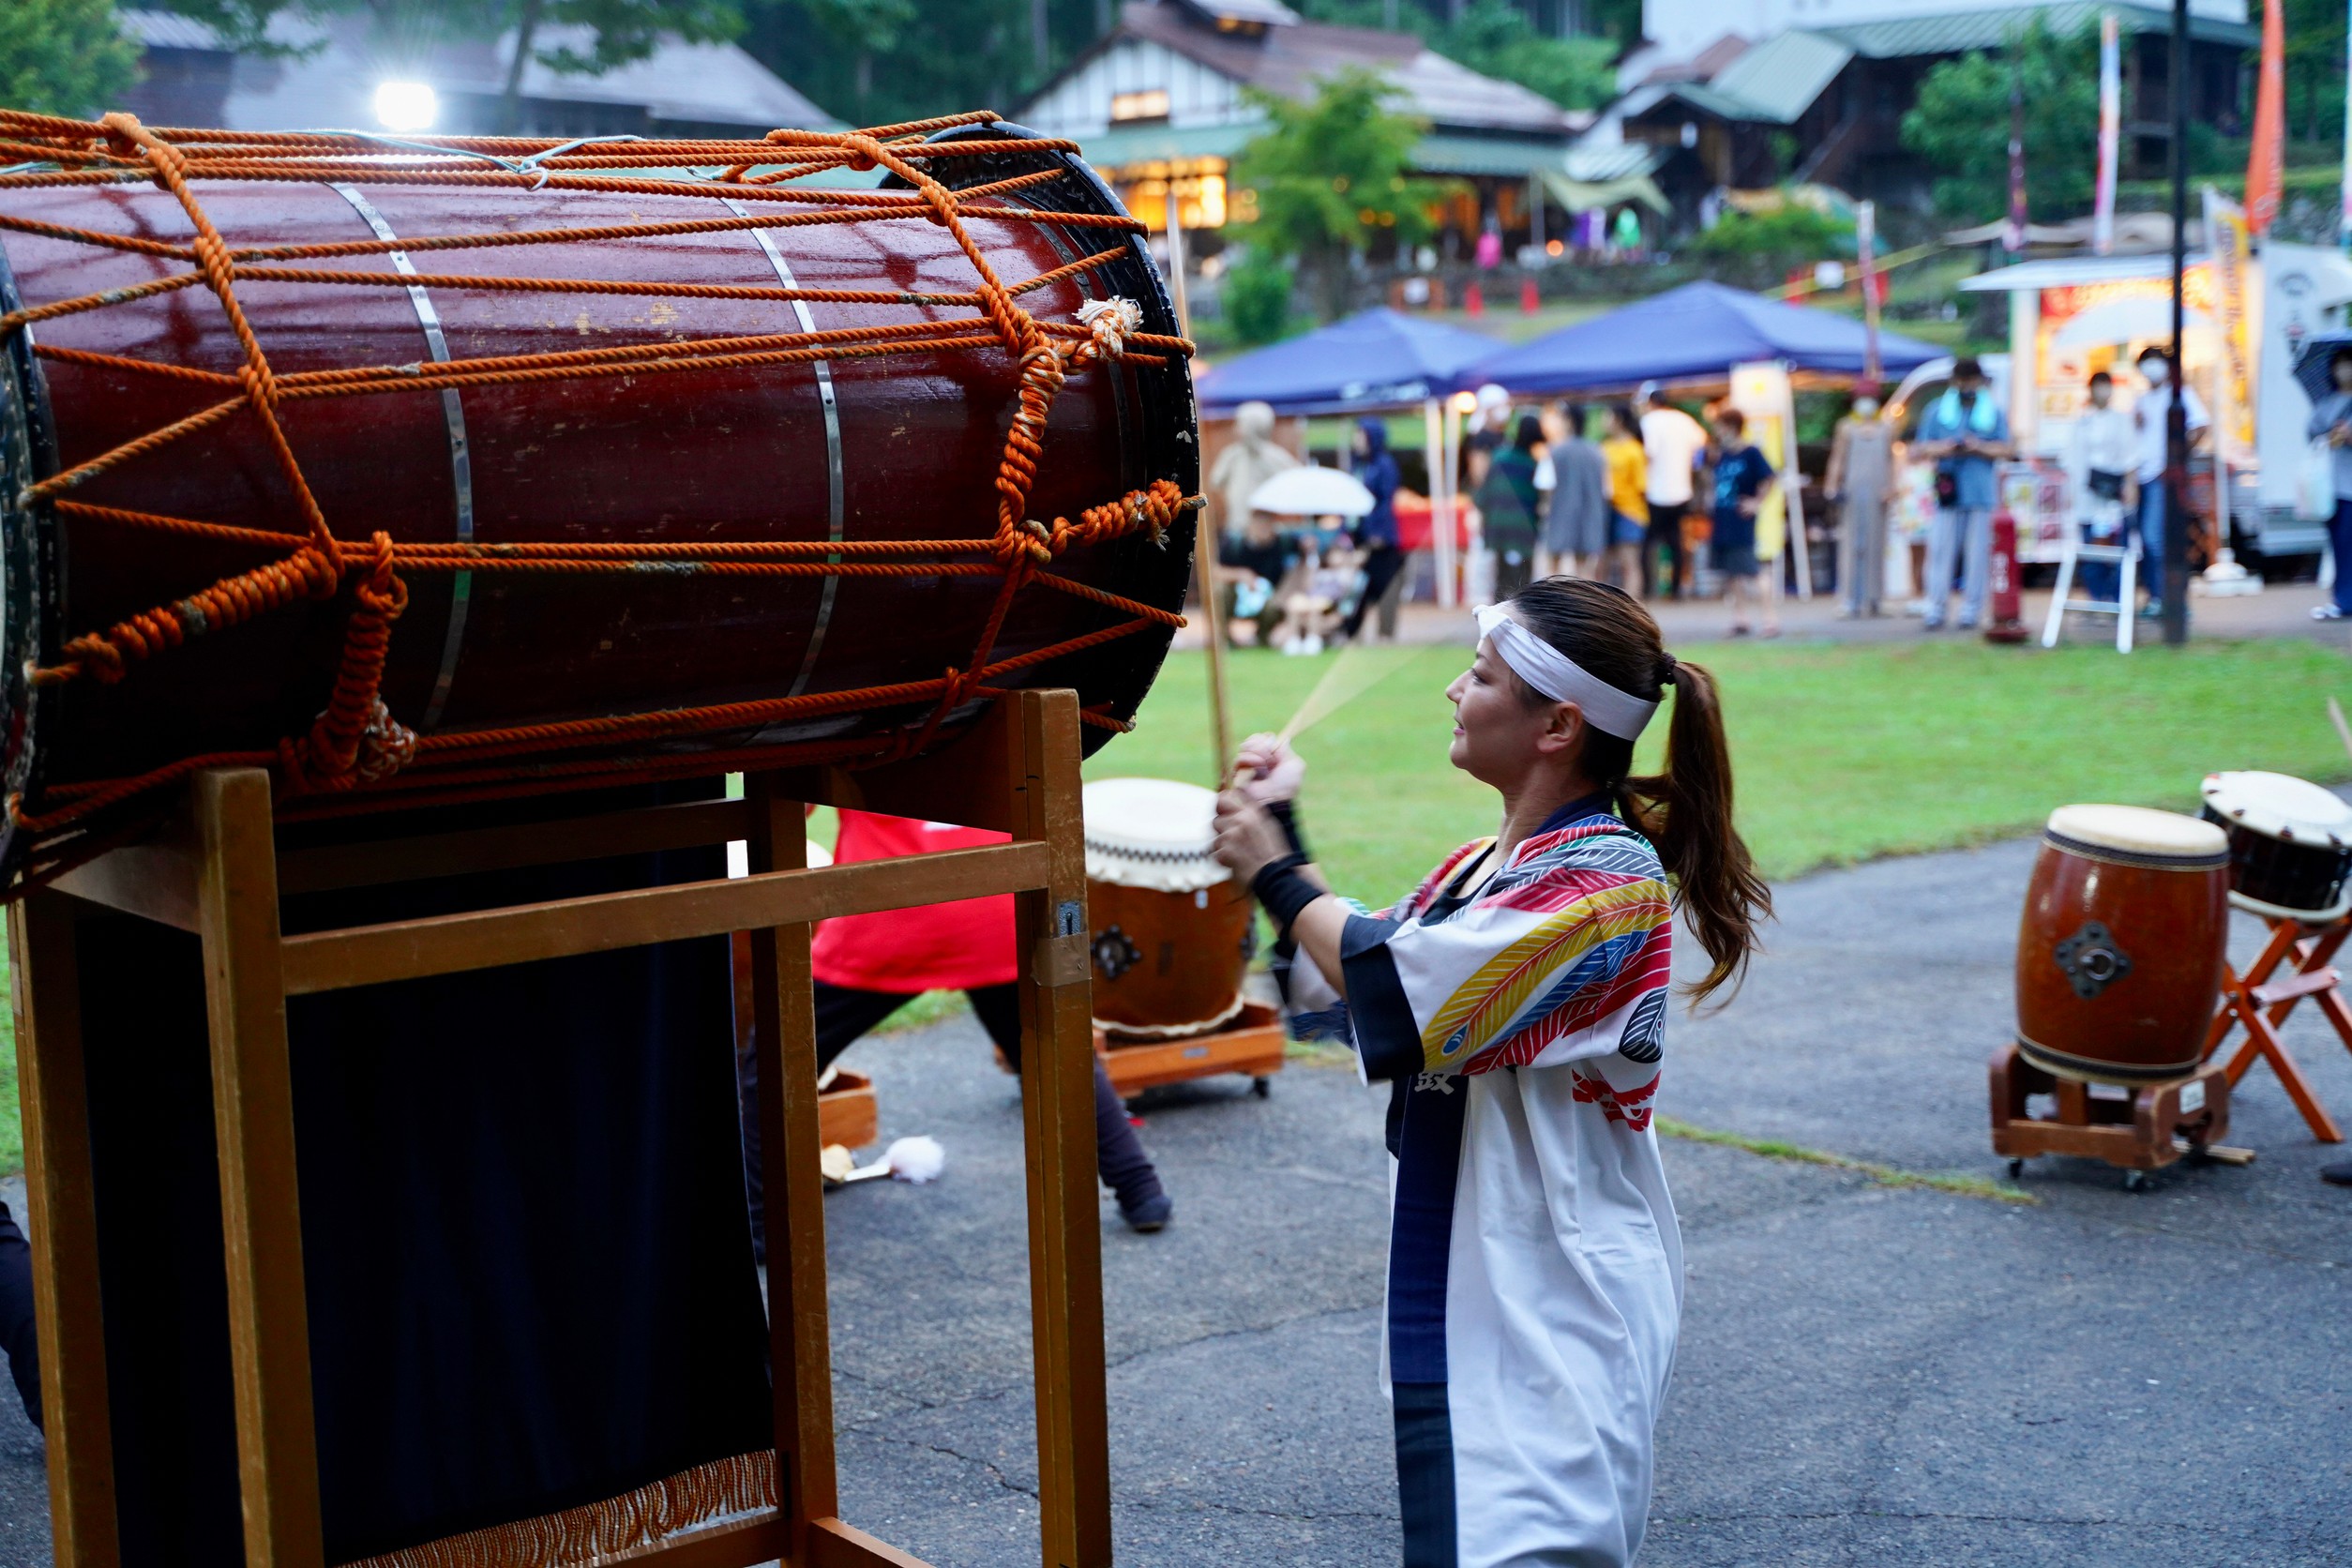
1384, 555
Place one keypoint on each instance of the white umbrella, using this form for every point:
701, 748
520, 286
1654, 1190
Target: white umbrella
1312, 491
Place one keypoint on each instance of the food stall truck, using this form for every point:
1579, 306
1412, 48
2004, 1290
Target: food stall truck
2070, 316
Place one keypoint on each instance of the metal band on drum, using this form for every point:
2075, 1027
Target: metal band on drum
2134, 858
460, 459
835, 514
2089, 1069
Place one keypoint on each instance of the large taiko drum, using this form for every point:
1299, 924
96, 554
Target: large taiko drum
2120, 951
1170, 927
680, 466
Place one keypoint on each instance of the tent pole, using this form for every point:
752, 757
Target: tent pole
1433, 453
1449, 589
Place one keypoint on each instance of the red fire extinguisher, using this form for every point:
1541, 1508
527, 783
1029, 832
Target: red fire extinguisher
2006, 624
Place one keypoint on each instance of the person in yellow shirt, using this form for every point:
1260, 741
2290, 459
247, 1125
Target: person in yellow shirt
1629, 500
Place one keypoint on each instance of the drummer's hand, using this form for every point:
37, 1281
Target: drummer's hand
1248, 838
1267, 769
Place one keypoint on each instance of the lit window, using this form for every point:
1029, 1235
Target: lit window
1151, 103
406, 106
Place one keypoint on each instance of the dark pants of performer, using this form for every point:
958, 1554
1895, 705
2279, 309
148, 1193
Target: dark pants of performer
1424, 1474
1664, 532
1380, 568
16, 1315
845, 1014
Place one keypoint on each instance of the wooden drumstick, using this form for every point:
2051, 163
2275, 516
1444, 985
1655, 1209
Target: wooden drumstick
2344, 731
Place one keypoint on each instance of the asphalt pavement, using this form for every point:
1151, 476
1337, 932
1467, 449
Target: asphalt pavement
1867, 1375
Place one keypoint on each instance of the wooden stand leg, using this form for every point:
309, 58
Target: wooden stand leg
62, 1197
2242, 1003
269, 1339
799, 1333
1065, 1263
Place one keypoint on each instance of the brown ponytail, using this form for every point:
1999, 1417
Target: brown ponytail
1685, 811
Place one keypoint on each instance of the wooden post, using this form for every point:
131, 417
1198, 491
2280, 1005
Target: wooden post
61, 1195
1066, 1260
252, 1094
800, 1345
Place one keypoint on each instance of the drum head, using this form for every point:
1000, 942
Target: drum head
1152, 833
2138, 835
2279, 806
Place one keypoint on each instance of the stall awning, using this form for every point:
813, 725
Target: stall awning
1374, 359
1584, 195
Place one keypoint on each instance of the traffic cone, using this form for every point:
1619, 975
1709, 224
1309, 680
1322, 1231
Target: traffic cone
1473, 300
1529, 301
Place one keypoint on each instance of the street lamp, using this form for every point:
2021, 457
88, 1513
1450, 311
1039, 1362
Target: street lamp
406, 105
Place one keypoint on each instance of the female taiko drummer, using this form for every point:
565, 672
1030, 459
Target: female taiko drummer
1517, 1003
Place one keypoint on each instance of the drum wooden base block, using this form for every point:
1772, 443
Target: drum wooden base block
847, 1113
1251, 1043
2262, 1003
2139, 1127
216, 871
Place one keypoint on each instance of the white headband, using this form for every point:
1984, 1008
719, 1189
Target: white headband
1559, 677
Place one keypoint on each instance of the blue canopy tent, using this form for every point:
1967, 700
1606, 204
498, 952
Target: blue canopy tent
1375, 359
1371, 361
1694, 333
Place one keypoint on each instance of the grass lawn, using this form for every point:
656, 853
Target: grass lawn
1844, 751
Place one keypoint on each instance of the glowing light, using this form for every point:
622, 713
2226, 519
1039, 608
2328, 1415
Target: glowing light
406, 105
1465, 402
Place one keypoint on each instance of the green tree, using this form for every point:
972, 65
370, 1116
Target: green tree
870, 63
1960, 125
1496, 38
619, 31
1758, 249
63, 56
1328, 179
1258, 300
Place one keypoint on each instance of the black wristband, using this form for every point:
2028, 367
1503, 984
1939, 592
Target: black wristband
1283, 891
1287, 813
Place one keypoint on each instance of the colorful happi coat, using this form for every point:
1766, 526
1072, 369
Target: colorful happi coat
1535, 1271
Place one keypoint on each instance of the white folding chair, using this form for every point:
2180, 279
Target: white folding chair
2126, 553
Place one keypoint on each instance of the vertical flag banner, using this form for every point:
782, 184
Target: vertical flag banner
2014, 241
2110, 130
2228, 236
1867, 260
2345, 223
2266, 165
1762, 390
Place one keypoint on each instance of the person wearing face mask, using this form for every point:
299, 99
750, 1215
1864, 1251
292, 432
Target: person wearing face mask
2103, 462
2151, 414
1966, 434
1858, 483
2332, 420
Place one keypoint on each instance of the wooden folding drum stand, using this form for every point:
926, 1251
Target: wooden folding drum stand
220, 875
2261, 1003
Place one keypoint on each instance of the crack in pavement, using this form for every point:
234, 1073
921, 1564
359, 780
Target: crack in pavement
1194, 1506
994, 1474
2205, 1528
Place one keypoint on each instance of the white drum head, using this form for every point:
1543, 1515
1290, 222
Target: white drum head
2140, 833
1152, 833
2279, 806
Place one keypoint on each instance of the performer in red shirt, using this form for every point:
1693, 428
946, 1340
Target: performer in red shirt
868, 966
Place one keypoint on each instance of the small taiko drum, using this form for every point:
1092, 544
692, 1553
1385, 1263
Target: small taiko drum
2119, 953
1172, 929
2290, 845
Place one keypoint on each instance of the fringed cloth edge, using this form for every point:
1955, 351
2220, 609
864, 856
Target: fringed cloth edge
708, 1493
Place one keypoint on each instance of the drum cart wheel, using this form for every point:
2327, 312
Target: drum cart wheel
2016, 1169
2135, 1181
1261, 1086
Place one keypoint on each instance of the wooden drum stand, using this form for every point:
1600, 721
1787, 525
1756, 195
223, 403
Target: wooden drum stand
218, 874
2261, 1003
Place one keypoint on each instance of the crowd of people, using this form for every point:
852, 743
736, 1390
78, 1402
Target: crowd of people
1648, 497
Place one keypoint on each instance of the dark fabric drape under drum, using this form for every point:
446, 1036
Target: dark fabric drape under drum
529, 1272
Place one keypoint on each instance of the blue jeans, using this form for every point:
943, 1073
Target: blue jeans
1965, 534
2340, 540
2150, 524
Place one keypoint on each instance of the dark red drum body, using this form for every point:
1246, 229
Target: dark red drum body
2120, 951
855, 449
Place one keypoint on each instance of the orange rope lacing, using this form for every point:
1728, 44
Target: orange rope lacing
356, 754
